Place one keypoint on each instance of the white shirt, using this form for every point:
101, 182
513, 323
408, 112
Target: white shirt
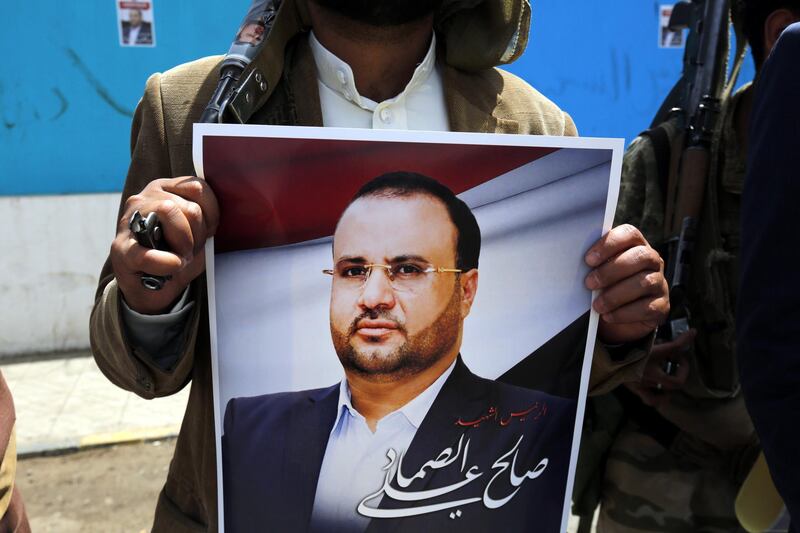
133, 33
352, 467
421, 106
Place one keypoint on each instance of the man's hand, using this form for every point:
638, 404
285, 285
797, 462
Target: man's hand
633, 295
657, 384
189, 214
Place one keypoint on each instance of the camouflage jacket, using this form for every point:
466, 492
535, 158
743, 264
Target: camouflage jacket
709, 410
714, 270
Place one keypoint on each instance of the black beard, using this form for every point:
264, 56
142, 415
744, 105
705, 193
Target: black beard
418, 353
382, 12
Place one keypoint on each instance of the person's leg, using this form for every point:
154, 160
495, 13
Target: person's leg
650, 488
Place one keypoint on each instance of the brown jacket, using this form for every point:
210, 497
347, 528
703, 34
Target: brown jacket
489, 101
12, 511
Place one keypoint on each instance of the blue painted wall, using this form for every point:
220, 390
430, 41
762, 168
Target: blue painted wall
67, 89
600, 62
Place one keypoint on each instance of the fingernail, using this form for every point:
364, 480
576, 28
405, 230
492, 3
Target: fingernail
593, 258
592, 281
599, 305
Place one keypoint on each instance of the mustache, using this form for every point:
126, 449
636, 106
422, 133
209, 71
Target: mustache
375, 314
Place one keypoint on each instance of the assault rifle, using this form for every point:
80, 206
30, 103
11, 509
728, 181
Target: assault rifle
694, 103
250, 39
681, 135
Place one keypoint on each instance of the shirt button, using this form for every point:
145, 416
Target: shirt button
386, 115
341, 76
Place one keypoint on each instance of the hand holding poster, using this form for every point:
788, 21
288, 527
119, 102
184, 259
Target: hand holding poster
388, 356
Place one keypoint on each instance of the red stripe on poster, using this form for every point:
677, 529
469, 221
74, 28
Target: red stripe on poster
274, 192
144, 6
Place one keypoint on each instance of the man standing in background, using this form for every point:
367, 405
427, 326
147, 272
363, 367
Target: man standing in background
686, 442
352, 63
768, 317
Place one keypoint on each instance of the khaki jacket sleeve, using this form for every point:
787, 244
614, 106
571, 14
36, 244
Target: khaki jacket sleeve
125, 366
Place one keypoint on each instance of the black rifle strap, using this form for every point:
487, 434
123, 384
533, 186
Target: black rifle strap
661, 149
261, 76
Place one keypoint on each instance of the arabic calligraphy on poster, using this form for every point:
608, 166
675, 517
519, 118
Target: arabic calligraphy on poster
502, 467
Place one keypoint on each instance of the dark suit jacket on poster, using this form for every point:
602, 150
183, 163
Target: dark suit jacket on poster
145, 35
273, 447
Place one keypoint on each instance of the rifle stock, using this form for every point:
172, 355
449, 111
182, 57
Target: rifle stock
235, 66
699, 89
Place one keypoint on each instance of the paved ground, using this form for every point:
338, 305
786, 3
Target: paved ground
68, 403
95, 483
102, 490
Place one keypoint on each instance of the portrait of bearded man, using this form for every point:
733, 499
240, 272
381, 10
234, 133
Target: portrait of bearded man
410, 439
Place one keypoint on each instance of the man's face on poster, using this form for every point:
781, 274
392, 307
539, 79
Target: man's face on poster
135, 17
389, 329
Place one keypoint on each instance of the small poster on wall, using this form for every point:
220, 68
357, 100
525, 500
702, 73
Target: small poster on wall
136, 23
666, 37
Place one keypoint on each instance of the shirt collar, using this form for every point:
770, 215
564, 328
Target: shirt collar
337, 75
414, 411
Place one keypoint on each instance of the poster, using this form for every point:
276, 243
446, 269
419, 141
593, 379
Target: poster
367, 376
136, 23
666, 37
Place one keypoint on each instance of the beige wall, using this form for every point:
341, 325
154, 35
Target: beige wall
51, 252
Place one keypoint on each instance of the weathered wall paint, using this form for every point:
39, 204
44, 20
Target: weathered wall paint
67, 89
53, 250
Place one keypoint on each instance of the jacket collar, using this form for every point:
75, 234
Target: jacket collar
473, 102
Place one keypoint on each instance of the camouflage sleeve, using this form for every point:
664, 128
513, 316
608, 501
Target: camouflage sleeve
608, 372
641, 200
640, 204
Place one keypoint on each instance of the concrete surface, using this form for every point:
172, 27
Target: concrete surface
53, 250
67, 403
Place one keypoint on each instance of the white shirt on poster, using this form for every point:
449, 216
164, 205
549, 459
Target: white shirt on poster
355, 457
133, 34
